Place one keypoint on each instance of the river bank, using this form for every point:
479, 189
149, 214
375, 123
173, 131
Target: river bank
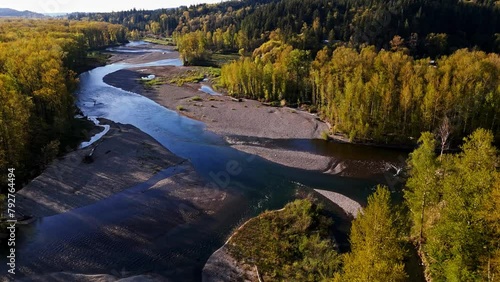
69, 182
235, 121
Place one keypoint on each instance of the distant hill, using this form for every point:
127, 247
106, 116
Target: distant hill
6, 12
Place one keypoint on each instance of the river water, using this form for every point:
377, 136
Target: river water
127, 233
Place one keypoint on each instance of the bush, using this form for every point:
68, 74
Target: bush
149, 84
180, 108
325, 135
292, 244
196, 98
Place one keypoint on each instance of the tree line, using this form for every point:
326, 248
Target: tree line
295, 244
384, 96
37, 79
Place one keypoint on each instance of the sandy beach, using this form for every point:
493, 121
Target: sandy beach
161, 52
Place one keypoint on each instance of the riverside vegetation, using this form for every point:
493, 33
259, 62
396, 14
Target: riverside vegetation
38, 64
295, 244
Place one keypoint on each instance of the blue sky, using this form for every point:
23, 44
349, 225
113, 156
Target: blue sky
64, 6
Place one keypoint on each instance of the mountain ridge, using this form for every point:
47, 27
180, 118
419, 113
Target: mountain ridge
7, 12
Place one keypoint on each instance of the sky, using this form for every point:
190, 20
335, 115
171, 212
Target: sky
67, 6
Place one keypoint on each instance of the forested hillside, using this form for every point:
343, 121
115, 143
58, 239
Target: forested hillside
428, 27
5, 12
37, 78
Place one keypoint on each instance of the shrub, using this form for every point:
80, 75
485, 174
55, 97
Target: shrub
293, 244
325, 135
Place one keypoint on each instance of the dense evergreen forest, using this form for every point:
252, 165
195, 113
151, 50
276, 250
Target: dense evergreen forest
38, 60
430, 27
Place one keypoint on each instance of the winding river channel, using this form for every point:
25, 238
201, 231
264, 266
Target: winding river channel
107, 237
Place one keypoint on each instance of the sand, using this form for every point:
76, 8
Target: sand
350, 207
123, 158
133, 58
69, 183
222, 267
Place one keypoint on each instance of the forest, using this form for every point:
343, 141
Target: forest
38, 64
430, 27
454, 204
381, 96
376, 71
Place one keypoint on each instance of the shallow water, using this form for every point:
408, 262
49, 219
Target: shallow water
96, 137
133, 47
129, 232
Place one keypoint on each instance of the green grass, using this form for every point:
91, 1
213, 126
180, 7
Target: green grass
191, 76
149, 84
195, 75
180, 108
211, 71
196, 98
163, 41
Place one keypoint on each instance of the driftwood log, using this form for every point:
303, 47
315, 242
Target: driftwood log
88, 159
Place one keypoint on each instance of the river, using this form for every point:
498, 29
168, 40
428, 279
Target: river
108, 237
